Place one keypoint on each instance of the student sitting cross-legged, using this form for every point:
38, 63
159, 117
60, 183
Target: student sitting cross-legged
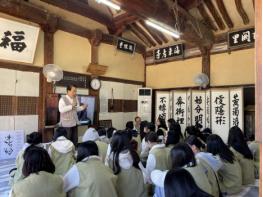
62, 151
39, 179
124, 161
89, 177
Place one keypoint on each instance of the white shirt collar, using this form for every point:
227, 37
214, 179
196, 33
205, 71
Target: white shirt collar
92, 157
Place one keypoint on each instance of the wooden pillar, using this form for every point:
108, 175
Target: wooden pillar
45, 87
258, 61
206, 62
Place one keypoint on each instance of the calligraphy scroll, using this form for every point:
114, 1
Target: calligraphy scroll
11, 142
18, 41
198, 107
180, 108
236, 108
162, 106
207, 109
220, 112
189, 108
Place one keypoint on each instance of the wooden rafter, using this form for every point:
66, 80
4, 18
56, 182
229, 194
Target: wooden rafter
138, 35
206, 17
160, 34
215, 14
242, 12
151, 32
125, 21
189, 4
139, 29
81, 8
224, 13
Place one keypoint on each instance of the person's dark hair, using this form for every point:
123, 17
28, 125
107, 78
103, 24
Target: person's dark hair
110, 132
150, 126
172, 138
191, 130
216, 146
237, 141
180, 183
87, 149
120, 142
34, 138
175, 126
36, 159
193, 140
162, 123
159, 132
181, 155
129, 125
142, 125
152, 137
69, 87
61, 131
205, 133
101, 131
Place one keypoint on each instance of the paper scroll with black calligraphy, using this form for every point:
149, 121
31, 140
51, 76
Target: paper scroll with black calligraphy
11, 142
189, 108
220, 112
236, 108
198, 107
180, 108
162, 108
18, 41
208, 109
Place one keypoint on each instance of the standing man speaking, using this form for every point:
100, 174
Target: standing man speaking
68, 108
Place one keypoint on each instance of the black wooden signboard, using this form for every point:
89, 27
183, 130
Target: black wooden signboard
174, 51
241, 38
81, 81
126, 46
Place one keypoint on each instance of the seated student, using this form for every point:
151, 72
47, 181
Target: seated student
135, 136
210, 164
191, 130
34, 138
161, 135
137, 124
255, 149
144, 146
183, 157
230, 175
125, 164
157, 158
110, 132
242, 154
177, 183
89, 177
102, 134
62, 151
175, 127
161, 124
142, 125
92, 135
205, 133
39, 179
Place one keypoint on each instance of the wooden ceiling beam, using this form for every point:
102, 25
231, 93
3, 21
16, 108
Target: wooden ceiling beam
161, 11
224, 13
139, 29
151, 32
160, 34
125, 21
83, 9
206, 17
215, 14
189, 4
141, 37
242, 12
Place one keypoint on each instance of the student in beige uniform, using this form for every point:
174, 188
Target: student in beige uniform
242, 153
125, 164
62, 152
210, 164
255, 149
39, 179
230, 174
89, 177
35, 139
183, 157
91, 134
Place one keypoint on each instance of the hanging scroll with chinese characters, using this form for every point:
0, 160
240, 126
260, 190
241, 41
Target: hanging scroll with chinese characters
162, 107
220, 112
236, 107
198, 108
180, 108
18, 41
207, 109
